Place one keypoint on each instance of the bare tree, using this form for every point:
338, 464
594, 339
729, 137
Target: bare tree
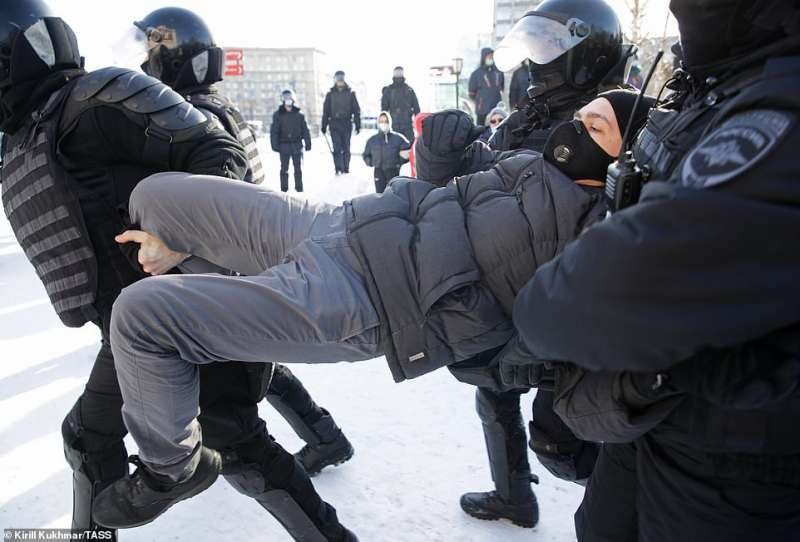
638, 10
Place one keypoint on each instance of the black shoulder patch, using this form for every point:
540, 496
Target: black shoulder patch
93, 82
735, 146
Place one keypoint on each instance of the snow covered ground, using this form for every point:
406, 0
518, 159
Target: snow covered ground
418, 444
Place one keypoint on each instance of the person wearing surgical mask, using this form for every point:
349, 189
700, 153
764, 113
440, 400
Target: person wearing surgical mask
386, 151
486, 85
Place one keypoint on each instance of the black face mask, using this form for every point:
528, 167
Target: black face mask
572, 150
710, 31
398, 80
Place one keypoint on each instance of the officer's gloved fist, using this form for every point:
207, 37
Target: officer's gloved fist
440, 148
449, 131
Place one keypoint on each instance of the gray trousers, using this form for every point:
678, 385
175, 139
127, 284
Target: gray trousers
304, 300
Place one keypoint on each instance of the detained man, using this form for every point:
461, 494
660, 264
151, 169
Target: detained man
426, 276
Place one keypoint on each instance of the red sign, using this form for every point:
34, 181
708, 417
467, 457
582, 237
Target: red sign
234, 62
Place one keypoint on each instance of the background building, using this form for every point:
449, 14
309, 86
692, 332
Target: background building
266, 72
508, 12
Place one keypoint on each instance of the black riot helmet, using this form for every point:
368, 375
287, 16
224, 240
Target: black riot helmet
572, 43
33, 43
181, 51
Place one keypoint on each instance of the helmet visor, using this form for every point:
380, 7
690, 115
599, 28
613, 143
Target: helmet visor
540, 38
129, 50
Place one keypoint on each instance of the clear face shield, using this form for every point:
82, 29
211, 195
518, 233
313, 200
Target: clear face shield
540, 38
139, 46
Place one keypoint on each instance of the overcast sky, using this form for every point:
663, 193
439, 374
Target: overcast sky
356, 34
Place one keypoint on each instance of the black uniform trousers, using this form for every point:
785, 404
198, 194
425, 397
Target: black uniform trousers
340, 138
297, 164
660, 490
383, 176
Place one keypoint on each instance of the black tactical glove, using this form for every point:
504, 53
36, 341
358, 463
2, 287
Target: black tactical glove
449, 131
440, 148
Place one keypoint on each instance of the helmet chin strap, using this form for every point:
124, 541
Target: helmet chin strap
548, 95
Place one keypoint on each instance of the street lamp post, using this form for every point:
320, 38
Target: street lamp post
458, 65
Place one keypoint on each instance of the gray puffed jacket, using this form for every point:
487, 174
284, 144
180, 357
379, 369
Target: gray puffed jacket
444, 264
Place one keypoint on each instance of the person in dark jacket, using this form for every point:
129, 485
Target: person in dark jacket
288, 133
76, 144
386, 151
518, 89
401, 102
342, 113
417, 273
486, 85
689, 328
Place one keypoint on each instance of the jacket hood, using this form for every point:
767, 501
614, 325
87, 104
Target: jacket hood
334, 88
496, 111
388, 116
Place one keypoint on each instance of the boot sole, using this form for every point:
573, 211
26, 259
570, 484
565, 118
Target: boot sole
487, 517
336, 463
197, 490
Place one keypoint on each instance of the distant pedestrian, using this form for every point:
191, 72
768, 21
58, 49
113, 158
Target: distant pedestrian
386, 151
486, 85
288, 133
400, 100
341, 111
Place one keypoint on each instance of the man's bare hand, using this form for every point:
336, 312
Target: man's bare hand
154, 256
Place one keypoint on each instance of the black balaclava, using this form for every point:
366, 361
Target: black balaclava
715, 32
572, 150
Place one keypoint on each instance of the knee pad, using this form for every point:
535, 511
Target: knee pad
107, 463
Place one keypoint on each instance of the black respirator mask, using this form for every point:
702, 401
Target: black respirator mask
573, 151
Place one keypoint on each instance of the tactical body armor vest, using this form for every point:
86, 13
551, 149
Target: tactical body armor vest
40, 201
47, 208
233, 122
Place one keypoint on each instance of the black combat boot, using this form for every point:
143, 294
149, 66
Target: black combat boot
504, 433
142, 497
326, 445
520, 506
329, 448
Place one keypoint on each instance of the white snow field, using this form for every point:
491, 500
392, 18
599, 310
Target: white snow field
418, 444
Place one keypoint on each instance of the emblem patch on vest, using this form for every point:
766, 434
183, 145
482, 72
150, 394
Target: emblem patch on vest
733, 148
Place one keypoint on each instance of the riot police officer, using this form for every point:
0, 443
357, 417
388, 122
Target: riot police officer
693, 299
341, 112
591, 57
400, 101
181, 52
76, 145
